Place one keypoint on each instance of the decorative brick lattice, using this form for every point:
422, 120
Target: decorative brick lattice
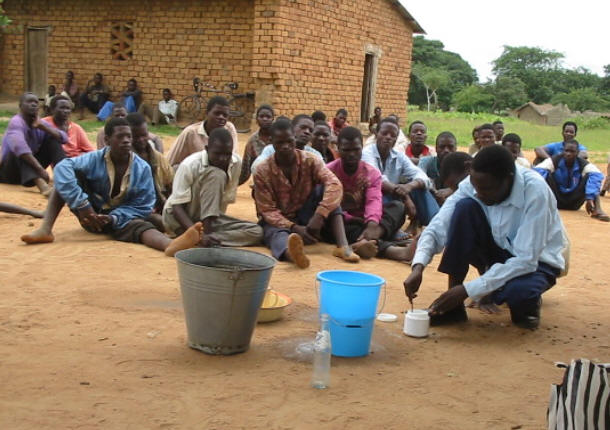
121, 39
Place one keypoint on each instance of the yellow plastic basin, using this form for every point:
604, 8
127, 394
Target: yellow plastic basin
273, 306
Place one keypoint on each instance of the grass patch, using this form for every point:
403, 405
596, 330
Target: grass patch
7, 113
461, 124
3, 125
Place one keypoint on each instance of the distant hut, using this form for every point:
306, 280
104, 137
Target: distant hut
546, 114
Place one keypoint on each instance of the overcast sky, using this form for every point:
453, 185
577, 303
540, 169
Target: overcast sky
477, 29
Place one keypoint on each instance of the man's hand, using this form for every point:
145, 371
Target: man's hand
315, 224
44, 175
410, 208
90, 220
413, 281
442, 194
302, 231
590, 206
373, 231
209, 240
402, 190
449, 300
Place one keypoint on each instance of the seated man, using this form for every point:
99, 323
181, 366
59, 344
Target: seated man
46, 107
431, 164
29, 146
321, 141
401, 141
318, 115
162, 172
164, 112
475, 146
111, 192
257, 141
455, 168
512, 142
503, 220
485, 137
194, 138
338, 123
131, 98
568, 132
95, 95
297, 199
606, 186
70, 88
417, 148
78, 142
402, 180
498, 131
573, 181
370, 226
302, 128
374, 120
120, 111
204, 185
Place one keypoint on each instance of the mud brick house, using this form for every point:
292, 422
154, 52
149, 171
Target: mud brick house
299, 55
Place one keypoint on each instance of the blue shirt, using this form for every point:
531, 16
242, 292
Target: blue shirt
429, 165
567, 180
86, 180
526, 224
557, 148
398, 168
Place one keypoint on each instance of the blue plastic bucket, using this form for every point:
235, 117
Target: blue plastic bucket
350, 299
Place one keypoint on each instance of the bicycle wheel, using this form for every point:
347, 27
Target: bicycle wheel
189, 109
241, 109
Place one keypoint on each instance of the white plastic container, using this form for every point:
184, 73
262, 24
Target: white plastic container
417, 323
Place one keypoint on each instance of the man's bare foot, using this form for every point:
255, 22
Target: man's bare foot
398, 253
296, 251
38, 236
347, 254
365, 248
187, 240
600, 215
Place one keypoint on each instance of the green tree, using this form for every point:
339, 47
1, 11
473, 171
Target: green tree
508, 93
533, 66
582, 99
473, 98
432, 79
604, 85
4, 20
431, 53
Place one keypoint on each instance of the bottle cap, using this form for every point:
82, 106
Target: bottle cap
387, 317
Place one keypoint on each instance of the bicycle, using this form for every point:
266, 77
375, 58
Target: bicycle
241, 105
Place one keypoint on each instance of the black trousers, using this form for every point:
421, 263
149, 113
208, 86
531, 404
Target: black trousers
13, 170
470, 242
572, 200
392, 220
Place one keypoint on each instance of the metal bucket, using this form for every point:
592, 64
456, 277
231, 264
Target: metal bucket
222, 291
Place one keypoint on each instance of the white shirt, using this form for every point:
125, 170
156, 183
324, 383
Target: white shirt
398, 168
401, 142
526, 224
169, 107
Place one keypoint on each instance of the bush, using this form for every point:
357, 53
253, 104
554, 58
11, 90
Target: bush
592, 123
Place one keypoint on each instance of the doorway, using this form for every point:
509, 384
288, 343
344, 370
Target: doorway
36, 61
368, 87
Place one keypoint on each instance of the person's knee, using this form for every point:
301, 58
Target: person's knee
466, 207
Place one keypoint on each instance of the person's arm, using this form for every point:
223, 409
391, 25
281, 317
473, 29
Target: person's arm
541, 152
545, 168
333, 190
265, 202
49, 129
139, 201
373, 201
15, 139
413, 173
594, 181
66, 184
172, 109
33, 162
180, 214
528, 244
247, 161
157, 141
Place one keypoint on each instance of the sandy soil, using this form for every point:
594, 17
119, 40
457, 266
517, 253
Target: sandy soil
92, 335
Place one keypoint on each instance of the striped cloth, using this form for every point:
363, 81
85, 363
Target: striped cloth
582, 400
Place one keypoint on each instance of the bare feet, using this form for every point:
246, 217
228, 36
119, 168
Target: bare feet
296, 251
44, 188
365, 248
38, 236
346, 254
189, 239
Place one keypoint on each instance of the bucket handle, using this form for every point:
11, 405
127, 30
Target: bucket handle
385, 294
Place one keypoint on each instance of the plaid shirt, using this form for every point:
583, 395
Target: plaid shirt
278, 199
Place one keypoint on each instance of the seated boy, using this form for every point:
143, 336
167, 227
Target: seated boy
417, 148
321, 142
120, 111
431, 164
111, 192
204, 185
573, 180
297, 199
78, 142
370, 226
402, 180
162, 172
512, 142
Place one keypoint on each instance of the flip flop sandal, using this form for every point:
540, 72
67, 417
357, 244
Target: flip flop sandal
601, 217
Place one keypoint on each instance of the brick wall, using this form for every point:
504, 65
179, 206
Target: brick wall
300, 55
314, 51
174, 42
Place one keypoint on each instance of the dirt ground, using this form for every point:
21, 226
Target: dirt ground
92, 335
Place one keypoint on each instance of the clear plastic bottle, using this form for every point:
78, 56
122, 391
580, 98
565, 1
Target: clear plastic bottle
321, 355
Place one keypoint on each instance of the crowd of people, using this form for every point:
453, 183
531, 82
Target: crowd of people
313, 179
